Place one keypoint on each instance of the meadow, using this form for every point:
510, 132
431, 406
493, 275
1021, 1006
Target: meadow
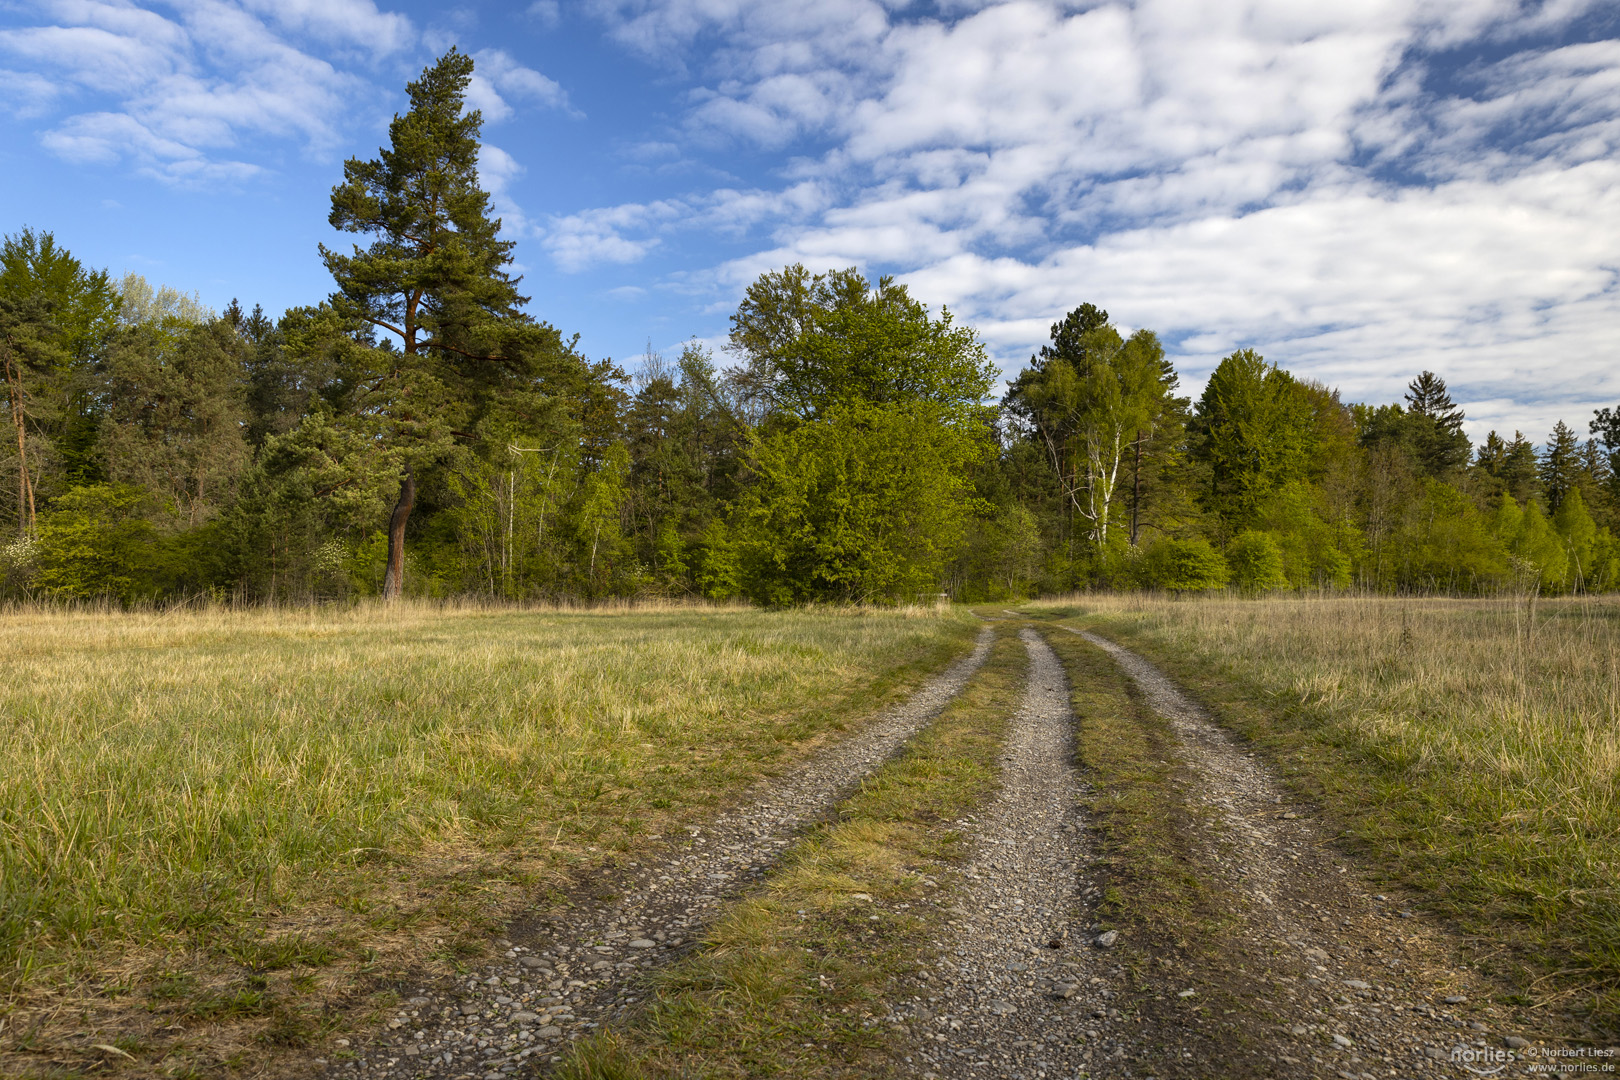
1469, 748
188, 796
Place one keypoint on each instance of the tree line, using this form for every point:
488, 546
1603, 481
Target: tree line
418, 432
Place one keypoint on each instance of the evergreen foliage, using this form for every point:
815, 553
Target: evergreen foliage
435, 278
1437, 436
1561, 465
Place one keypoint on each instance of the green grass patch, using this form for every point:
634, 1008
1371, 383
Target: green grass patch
792, 980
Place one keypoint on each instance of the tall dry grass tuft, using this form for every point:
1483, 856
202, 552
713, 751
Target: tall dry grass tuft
1478, 743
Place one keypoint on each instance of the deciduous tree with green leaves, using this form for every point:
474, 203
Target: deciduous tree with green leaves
1255, 430
1093, 399
873, 417
812, 342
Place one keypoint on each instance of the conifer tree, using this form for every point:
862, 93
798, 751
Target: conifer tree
1507, 466
435, 277
53, 313
1560, 464
1438, 440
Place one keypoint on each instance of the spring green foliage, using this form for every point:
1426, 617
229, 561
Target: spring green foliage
96, 543
1256, 562
811, 343
1184, 566
844, 449
1257, 433
81, 305
867, 502
860, 472
1092, 396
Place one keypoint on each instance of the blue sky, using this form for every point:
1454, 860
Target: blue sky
1359, 190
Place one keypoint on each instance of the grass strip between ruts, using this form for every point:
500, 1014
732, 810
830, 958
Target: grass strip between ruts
1155, 888
1181, 924
791, 980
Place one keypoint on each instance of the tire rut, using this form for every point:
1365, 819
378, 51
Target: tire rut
581, 967
1352, 984
1014, 982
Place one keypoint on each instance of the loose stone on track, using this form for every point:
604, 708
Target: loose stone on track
1004, 1000
585, 966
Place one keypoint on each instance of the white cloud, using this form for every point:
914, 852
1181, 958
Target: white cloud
497, 77
1312, 179
182, 97
105, 138
356, 22
496, 171
628, 232
779, 70
546, 13
592, 237
96, 58
28, 94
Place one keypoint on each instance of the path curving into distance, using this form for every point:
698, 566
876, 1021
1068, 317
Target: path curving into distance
581, 966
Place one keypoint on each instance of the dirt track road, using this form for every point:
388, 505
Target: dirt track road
1344, 983
579, 967
1312, 976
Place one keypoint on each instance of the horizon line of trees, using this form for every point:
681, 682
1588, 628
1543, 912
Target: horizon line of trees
419, 433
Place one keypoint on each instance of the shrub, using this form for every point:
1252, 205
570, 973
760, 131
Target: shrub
1256, 562
96, 544
1184, 566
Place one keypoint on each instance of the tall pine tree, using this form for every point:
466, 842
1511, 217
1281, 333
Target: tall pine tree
1560, 464
435, 278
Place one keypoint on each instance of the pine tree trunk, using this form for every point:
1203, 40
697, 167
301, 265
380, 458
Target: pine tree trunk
394, 576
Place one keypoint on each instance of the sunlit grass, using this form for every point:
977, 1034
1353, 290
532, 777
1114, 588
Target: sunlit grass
184, 778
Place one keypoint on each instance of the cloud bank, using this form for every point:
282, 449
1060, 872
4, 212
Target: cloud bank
1360, 191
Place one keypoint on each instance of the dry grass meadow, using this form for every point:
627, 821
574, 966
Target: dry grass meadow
1470, 747
234, 816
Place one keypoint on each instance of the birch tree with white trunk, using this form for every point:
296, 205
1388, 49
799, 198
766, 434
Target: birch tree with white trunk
1091, 401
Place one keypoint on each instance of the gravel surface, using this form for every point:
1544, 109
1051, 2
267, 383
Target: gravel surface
1359, 985
1018, 979
583, 965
